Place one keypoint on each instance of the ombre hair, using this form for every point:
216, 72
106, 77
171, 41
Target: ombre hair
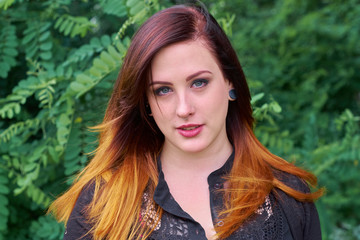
124, 166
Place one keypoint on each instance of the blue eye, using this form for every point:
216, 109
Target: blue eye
162, 91
199, 83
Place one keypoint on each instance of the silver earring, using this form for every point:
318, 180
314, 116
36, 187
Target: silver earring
232, 95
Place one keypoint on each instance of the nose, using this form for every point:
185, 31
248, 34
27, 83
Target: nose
184, 107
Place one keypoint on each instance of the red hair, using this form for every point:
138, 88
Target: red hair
125, 162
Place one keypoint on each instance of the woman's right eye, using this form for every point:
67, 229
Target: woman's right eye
162, 91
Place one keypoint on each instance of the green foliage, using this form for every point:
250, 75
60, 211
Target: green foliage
69, 25
6, 3
4, 190
59, 60
114, 7
46, 228
8, 49
37, 41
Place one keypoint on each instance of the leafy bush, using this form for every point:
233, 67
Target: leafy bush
59, 59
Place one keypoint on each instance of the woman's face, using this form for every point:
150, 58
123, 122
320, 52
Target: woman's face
188, 97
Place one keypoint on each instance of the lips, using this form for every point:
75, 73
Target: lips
190, 130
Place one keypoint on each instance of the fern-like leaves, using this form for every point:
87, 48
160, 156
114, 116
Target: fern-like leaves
4, 191
73, 26
37, 41
8, 49
114, 7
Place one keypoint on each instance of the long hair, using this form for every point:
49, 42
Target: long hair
124, 165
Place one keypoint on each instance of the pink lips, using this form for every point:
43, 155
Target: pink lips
190, 130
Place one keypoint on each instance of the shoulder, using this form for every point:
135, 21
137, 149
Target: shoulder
302, 216
78, 225
87, 194
292, 181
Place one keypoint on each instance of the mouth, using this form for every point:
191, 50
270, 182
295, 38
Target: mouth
189, 127
191, 130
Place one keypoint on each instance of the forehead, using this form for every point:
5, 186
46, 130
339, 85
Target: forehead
184, 57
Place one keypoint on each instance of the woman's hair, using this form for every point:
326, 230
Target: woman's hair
124, 165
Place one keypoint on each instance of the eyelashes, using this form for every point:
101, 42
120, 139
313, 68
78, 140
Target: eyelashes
165, 90
199, 83
161, 91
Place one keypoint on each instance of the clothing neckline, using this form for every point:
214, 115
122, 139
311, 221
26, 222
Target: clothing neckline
165, 200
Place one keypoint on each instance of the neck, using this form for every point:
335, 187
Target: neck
206, 161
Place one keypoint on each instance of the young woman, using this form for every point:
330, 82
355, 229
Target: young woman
177, 157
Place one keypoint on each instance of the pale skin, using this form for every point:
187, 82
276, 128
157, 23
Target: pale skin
188, 97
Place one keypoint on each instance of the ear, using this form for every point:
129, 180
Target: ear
229, 85
232, 93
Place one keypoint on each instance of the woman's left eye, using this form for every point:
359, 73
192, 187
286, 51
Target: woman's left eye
200, 83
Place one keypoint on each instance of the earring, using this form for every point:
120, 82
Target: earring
148, 110
232, 95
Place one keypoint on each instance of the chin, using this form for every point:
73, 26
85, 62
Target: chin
193, 148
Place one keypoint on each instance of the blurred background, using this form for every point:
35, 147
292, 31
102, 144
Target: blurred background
60, 58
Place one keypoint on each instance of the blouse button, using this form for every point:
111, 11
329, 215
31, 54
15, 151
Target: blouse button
197, 231
217, 185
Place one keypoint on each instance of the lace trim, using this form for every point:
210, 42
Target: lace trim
267, 223
266, 207
148, 213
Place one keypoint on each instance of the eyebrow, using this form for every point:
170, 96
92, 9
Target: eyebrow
197, 74
188, 78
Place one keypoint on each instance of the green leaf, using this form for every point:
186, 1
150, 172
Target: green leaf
100, 65
46, 55
4, 189
95, 42
31, 52
17, 108
105, 40
29, 37
62, 133
10, 113
77, 87
257, 97
46, 46
6, 3
10, 51
4, 68
131, 3
114, 53
64, 24
84, 79
63, 121
139, 6
95, 72
3, 180
58, 22
68, 28
29, 167
106, 57
45, 27
276, 107
44, 36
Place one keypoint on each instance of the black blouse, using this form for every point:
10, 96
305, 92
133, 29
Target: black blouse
280, 217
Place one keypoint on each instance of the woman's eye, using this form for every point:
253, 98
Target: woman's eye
199, 83
162, 91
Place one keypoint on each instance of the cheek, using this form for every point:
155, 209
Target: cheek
160, 112
218, 101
